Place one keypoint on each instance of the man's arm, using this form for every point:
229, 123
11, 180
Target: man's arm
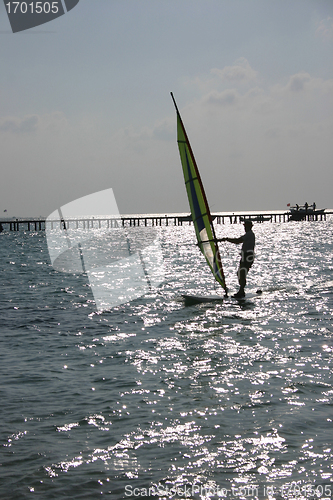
237, 241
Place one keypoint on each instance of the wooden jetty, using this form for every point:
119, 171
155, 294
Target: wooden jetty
21, 224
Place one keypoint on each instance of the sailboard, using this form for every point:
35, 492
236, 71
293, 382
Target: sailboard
200, 212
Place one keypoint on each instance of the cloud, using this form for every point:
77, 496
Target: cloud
31, 124
24, 125
325, 28
255, 145
164, 130
225, 98
240, 71
264, 141
297, 82
142, 139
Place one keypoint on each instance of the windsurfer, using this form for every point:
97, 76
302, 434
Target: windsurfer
247, 255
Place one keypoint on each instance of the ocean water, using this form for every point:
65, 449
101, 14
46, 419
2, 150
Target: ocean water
156, 400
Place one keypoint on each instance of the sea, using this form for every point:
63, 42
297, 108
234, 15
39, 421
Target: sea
157, 400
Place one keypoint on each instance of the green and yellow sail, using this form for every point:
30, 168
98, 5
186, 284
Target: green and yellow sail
200, 212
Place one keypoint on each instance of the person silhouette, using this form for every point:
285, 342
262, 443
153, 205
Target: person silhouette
247, 256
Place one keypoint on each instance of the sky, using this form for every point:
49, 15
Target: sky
85, 105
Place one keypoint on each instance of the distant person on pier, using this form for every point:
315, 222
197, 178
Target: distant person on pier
247, 256
306, 206
314, 206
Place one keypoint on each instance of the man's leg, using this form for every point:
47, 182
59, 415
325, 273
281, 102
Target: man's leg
242, 277
242, 272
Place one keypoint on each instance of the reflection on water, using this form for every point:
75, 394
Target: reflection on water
228, 400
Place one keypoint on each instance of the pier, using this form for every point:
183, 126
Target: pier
21, 224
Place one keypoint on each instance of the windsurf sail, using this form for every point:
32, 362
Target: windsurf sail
200, 212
